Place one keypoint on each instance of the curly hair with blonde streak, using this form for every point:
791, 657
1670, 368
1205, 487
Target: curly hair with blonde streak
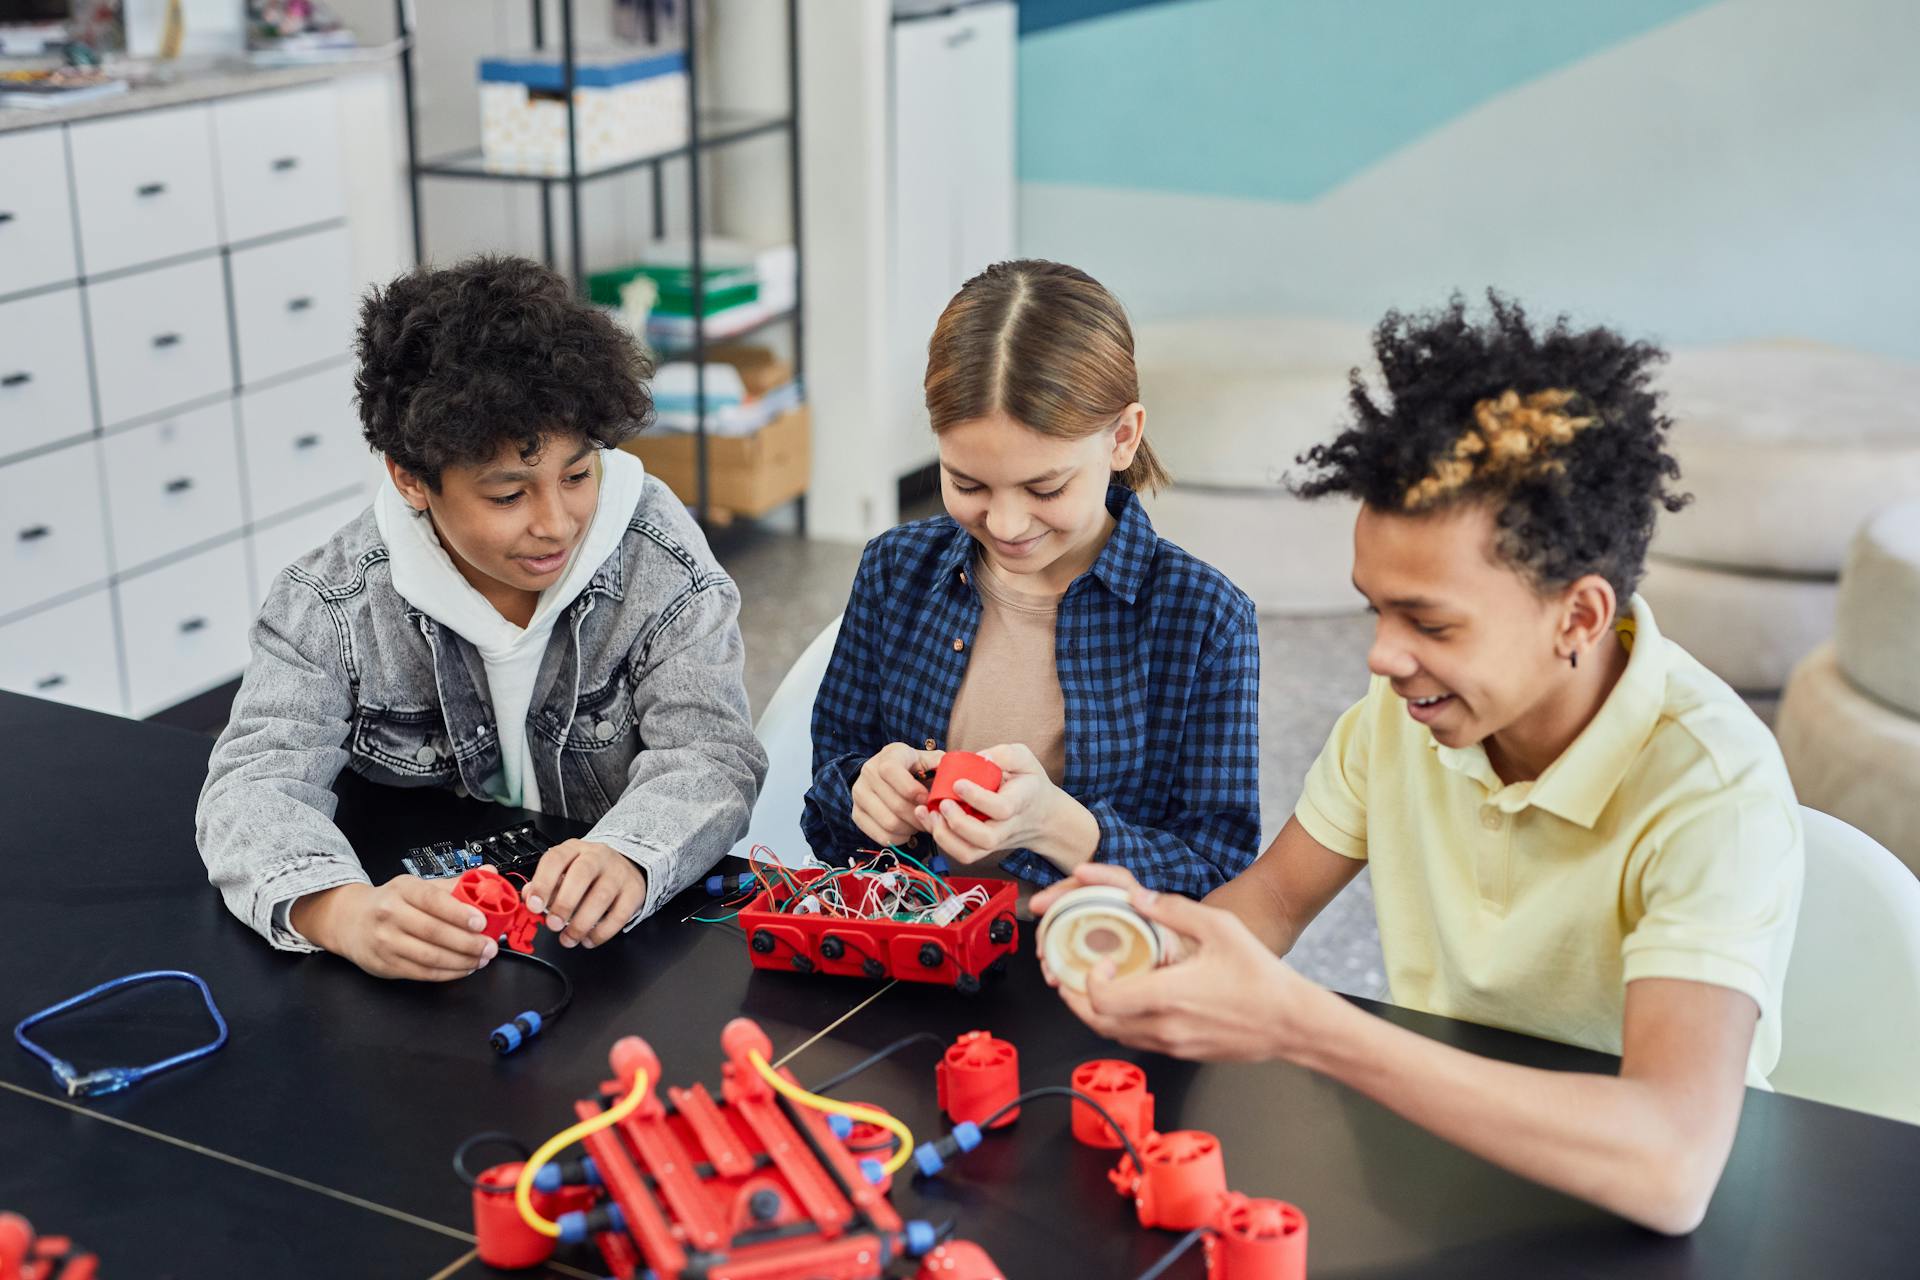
1499, 411
1510, 434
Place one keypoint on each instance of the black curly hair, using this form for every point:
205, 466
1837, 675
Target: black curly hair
1558, 431
456, 360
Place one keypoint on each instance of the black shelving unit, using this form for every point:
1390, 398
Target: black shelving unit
706, 131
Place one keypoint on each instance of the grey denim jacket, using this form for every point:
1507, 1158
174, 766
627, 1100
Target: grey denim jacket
638, 724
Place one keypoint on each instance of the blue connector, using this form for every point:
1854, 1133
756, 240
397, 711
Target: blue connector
95, 1083
873, 1171
577, 1226
840, 1126
551, 1177
717, 885
932, 1157
940, 865
921, 1237
509, 1036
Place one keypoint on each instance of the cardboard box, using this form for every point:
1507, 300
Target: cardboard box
746, 475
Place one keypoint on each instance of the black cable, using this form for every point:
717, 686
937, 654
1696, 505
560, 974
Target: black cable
1172, 1255
460, 1153
834, 1082
566, 983
1063, 1091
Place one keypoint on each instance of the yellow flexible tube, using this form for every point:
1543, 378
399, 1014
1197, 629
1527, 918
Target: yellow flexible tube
851, 1110
523, 1189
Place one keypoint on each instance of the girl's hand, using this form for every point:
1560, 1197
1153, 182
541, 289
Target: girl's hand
405, 928
1027, 812
588, 890
890, 789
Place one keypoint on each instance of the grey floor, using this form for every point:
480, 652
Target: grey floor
1311, 670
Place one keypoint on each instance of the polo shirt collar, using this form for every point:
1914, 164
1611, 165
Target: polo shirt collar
1578, 785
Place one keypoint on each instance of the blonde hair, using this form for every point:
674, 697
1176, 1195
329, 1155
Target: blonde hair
1510, 438
1044, 344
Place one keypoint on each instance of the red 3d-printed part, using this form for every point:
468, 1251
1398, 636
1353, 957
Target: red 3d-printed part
1257, 1240
25, 1257
1182, 1183
500, 1236
978, 1075
494, 897
955, 766
958, 955
958, 1260
1120, 1087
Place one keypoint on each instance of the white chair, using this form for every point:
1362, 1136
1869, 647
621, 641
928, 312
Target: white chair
786, 731
1851, 1031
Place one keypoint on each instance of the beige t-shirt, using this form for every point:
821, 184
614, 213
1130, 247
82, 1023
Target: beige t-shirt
1011, 690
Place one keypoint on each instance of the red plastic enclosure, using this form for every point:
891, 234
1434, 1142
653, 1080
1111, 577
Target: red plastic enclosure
978, 1074
743, 1186
501, 1238
958, 1260
955, 766
1257, 1240
959, 955
1183, 1181
1120, 1087
495, 897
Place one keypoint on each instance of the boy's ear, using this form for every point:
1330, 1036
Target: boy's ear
1588, 609
411, 487
1128, 431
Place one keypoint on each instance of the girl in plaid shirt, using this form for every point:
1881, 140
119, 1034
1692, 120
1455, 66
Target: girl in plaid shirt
1113, 677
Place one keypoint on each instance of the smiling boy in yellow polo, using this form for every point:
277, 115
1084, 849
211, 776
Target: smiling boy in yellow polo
1574, 829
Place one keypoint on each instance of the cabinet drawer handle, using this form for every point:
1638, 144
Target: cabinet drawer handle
166, 340
309, 441
53, 681
35, 533
299, 304
5, 216
192, 625
958, 38
150, 189
285, 163
181, 485
16, 379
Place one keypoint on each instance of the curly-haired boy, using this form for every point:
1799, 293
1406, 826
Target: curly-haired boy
523, 615
1574, 829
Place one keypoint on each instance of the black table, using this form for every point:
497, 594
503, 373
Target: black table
338, 1085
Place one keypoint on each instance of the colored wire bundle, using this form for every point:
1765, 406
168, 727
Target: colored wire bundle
887, 884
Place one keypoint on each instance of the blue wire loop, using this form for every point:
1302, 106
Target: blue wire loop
113, 1079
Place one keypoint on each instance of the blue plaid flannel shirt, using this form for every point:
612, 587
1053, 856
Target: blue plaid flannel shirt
1159, 665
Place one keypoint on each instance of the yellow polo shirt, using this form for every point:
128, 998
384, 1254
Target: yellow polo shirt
1663, 843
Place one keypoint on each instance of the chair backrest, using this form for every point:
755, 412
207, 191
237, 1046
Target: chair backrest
1851, 1029
786, 731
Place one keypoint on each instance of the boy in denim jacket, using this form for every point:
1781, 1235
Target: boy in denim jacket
523, 615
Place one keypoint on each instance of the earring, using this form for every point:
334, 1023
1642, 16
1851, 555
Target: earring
1573, 659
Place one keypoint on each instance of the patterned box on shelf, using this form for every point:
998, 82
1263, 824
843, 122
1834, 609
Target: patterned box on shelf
625, 107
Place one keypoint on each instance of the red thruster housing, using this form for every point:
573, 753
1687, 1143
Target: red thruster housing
978, 1074
959, 955
1121, 1088
1257, 1240
1180, 1188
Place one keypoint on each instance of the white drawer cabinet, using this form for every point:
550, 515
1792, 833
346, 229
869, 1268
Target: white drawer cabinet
302, 441
183, 627
177, 297
172, 484
145, 186
52, 540
292, 304
276, 546
66, 653
36, 217
160, 339
43, 371
279, 161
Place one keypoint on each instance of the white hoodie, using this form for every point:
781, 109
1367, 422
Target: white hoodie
426, 578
